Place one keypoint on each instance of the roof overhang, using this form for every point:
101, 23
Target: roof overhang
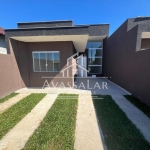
79, 41
96, 38
79, 35
145, 35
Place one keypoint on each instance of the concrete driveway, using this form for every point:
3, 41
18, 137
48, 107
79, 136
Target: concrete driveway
100, 85
89, 85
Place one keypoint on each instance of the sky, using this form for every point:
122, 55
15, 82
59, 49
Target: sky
114, 12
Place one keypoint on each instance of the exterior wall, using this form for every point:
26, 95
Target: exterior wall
3, 49
126, 66
9, 74
29, 78
66, 50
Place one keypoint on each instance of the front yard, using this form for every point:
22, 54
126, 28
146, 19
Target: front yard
119, 132
12, 116
57, 130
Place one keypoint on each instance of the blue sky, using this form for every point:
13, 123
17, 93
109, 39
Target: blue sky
114, 12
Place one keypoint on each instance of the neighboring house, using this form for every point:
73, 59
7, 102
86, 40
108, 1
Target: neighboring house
3, 49
41, 49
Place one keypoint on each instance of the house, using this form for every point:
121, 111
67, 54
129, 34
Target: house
41, 49
36, 50
3, 49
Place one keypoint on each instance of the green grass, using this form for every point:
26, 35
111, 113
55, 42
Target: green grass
119, 132
139, 104
13, 115
57, 130
8, 97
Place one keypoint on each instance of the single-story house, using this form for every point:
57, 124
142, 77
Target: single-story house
40, 50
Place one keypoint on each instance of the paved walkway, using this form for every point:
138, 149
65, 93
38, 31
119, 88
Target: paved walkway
87, 134
141, 121
137, 117
19, 135
7, 104
53, 91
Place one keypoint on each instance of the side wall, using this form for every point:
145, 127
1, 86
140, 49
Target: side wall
125, 66
10, 80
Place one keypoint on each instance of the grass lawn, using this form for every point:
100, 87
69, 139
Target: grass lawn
119, 132
57, 130
140, 105
13, 115
8, 97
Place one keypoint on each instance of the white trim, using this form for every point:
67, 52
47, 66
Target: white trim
100, 57
39, 52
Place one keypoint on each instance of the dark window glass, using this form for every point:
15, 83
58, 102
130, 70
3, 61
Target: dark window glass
36, 62
94, 53
49, 61
43, 61
95, 69
95, 61
56, 61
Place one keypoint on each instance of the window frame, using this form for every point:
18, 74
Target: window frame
96, 56
101, 57
46, 60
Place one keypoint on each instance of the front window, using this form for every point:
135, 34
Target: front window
95, 53
46, 61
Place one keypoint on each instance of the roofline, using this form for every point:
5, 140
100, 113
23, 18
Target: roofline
100, 24
58, 27
45, 22
148, 17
